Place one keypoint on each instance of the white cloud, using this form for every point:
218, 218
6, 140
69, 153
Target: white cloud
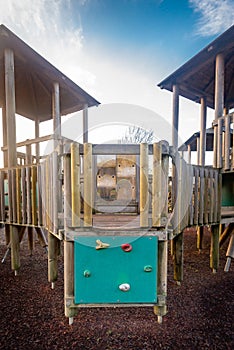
47, 26
215, 16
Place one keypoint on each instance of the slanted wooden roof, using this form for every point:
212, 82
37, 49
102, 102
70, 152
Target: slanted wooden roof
196, 78
34, 78
192, 141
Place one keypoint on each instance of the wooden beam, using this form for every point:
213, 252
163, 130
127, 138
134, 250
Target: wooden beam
203, 131
85, 124
10, 106
144, 197
88, 188
175, 116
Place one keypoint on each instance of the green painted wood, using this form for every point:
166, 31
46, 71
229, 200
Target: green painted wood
99, 273
228, 189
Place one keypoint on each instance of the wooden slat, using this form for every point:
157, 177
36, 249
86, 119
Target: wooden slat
34, 195
216, 197
191, 189
196, 195
201, 197
88, 176
10, 209
211, 187
2, 196
227, 143
206, 196
18, 196
54, 209
75, 184
144, 202
39, 194
28, 196
24, 196
157, 185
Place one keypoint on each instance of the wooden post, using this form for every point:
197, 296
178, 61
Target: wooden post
227, 143
189, 154
53, 252
11, 143
10, 107
203, 132
214, 249
37, 135
144, 201
178, 256
75, 184
198, 150
219, 105
161, 309
175, 116
85, 124
88, 185
4, 135
156, 185
56, 112
68, 245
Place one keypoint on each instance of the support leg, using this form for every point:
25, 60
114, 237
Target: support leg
178, 257
200, 231
42, 238
7, 234
214, 249
161, 309
53, 249
69, 280
226, 234
15, 248
230, 253
31, 239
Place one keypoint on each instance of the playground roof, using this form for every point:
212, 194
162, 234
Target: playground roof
196, 78
192, 141
34, 78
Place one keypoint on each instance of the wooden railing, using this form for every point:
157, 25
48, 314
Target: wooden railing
46, 193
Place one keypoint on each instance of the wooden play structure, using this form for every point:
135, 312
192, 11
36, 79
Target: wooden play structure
114, 218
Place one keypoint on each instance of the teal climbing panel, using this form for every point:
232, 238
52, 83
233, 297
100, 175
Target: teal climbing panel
115, 269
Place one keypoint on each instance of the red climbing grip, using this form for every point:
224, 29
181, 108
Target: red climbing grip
126, 247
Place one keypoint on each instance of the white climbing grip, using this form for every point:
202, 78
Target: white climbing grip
124, 287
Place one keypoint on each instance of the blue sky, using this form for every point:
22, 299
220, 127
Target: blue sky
118, 50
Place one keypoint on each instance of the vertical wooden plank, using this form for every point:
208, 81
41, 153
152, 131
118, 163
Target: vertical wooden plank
37, 144
67, 191
69, 280
75, 184
54, 193
14, 198
24, 196
203, 132
206, 196
10, 209
191, 204
214, 248
161, 309
232, 119
39, 194
28, 195
220, 144
202, 195
157, 185
211, 186
2, 196
196, 195
10, 106
85, 124
216, 196
88, 178
227, 144
18, 196
34, 195
144, 202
